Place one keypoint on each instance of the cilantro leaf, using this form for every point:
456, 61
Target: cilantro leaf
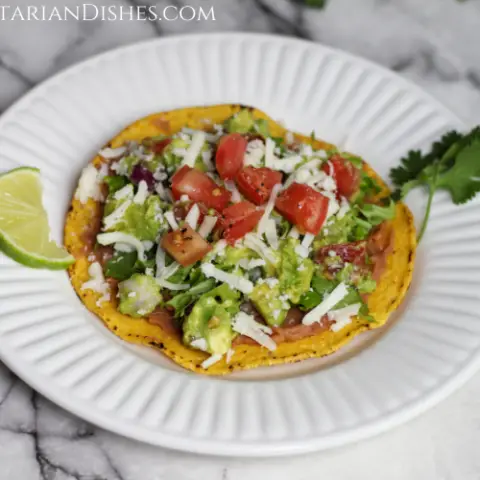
462, 180
453, 164
413, 164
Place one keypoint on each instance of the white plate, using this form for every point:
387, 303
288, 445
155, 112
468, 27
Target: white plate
50, 340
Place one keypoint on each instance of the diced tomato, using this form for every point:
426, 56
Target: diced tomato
303, 206
230, 153
200, 188
185, 245
240, 219
345, 174
159, 147
353, 252
239, 210
257, 183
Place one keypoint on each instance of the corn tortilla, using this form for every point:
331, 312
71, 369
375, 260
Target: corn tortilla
388, 295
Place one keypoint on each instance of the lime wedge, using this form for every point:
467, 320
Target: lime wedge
24, 230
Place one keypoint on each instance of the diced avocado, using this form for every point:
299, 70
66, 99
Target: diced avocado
225, 296
351, 274
139, 295
268, 302
241, 122
143, 221
261, 127
232, 255
209, 321
295, 272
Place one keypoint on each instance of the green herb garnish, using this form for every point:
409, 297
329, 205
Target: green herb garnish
453, 164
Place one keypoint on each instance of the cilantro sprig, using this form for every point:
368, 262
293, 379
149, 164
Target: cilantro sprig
452, 164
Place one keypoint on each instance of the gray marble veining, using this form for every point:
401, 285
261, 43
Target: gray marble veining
435, 44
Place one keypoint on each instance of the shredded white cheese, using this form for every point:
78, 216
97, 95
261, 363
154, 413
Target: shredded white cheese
111, 153
193, 216
195, 149
120, 237
200, 344
343, 316
245, 324
287, 164
308, 240
124, 192
344, 208
111, 220
142, 193
159, 261
326, 305
271, 233
256, 262
207, 160
302, 174
149, 271
268, 208
254, 153
97, 282
171, 220
207, 226
307, 150
231, 187
169, 271
172, 286
230, 354
209, 137
302, 251
147, 245
234, 281
89, 185
212, 360
253, 242
294, 233
313, 179
123, 247
329, 184
333, 206
251, 264
219, 248
270, 153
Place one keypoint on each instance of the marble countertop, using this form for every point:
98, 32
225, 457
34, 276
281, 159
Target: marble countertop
435, 44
